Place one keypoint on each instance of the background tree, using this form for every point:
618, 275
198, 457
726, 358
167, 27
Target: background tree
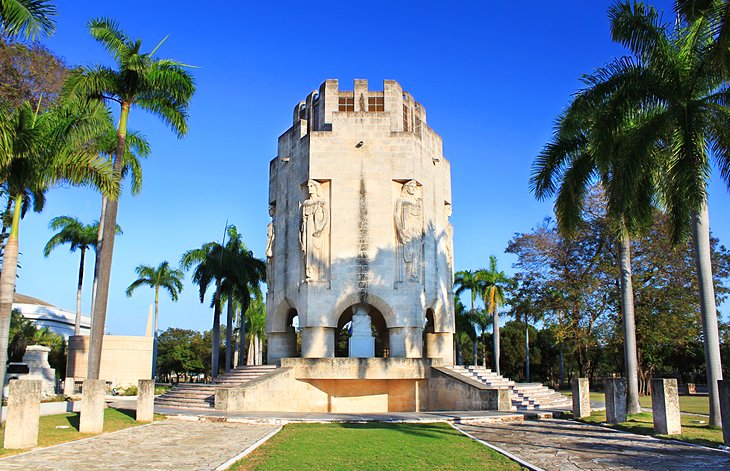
491, 283
158, 277
160, 86
464, 280
79, 236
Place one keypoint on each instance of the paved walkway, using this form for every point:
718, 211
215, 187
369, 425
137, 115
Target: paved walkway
164, 445
567, 445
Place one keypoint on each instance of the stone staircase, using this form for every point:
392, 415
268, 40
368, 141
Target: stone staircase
525, 396
202, 395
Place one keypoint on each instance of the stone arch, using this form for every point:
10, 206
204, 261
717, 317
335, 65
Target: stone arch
378, 325
375, 301
283, 315
440, 317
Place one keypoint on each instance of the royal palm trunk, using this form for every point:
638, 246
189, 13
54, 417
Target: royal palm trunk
629, 325
77, 321
215, 353
495, 338
105, 251
242, 338
229, 333
701, 233
7, 286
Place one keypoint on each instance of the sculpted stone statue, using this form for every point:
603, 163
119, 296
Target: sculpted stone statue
314, 233
270, 245
409, 231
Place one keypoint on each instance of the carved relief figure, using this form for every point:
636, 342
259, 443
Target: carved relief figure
270, 246
314, 233
409, 231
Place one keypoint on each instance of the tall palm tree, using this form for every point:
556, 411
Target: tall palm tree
37, 151
676, 80
27, 18
490, 284
464, 281
79, 236
161, 86
158, 277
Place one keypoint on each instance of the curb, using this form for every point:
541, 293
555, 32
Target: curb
506, 453
248, 450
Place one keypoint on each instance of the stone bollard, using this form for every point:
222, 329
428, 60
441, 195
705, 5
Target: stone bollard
24, 411
615, 400
665, 406
92, 406
724, 387
581, 397
145, 400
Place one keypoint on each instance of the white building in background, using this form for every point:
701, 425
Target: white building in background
44, 314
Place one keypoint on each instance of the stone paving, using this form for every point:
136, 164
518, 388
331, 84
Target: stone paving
164, 445
567, 445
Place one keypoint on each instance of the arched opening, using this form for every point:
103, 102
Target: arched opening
428, 328
292, 326
378, 328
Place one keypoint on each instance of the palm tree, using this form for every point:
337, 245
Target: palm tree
675, 80
464, 280
491, 283
37, 151
160, 277
27, 18
256, 327
160, 86
79, 236
464, 327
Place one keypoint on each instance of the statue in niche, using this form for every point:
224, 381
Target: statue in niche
270, 245
314, 233
409, 231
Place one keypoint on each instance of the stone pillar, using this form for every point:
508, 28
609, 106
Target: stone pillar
362, 343
281, 345
665, 406
441, 345
318, 342
406, 342
92, 406
724, 388
24, 411
145, 400
581, 398
615, 400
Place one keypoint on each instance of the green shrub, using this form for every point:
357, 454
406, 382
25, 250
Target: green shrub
130, 391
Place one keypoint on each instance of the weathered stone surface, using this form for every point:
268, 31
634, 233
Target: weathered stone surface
360, 198
570, 445
665, 406
24, 411
92, 406
165, 445
581, 397
615, 390
724, 386
145, 400
124, 359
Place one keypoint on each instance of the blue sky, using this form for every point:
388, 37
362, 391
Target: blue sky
491, 75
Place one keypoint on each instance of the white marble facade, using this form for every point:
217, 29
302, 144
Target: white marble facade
360, 200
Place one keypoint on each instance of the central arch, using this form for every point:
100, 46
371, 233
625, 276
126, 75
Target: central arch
379, 329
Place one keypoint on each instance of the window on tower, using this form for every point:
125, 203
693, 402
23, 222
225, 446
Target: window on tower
376, 103
346, 103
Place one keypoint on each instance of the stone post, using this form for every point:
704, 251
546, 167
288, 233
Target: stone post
581, 398
724, 389
145, 400
615, 400
665, 406
92, 406
24, 411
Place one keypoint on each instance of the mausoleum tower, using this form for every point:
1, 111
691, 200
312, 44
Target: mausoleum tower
360, 252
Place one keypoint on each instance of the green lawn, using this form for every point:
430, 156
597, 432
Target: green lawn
373, 446
49, 434
689, 404
643, 424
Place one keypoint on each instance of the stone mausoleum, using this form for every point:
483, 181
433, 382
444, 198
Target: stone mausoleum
360, 242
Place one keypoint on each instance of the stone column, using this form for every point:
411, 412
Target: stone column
724, 389
145, 400
665, 406
24, 411
318, 342
581, 398
92, 406
441, 345
615, 400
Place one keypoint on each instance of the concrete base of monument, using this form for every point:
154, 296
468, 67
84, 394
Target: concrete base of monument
361, 385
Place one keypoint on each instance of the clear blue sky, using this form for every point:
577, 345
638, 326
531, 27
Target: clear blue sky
491, 75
